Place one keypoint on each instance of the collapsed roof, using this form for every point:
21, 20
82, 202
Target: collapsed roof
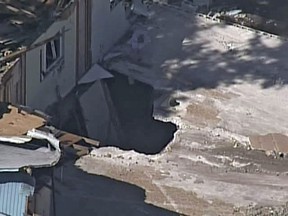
36, 149
21, 22
27, 140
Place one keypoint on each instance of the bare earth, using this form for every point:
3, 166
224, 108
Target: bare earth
230, 84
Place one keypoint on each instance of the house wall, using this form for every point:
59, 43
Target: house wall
40, 94
10, 83
107, 27
100, 123
15, 188
13, 83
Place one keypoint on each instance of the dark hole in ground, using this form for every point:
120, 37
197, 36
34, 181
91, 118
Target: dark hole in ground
133, 101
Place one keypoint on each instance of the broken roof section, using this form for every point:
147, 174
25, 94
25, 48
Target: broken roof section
21, 22
23, 146
27, 140
36, 149
17, 122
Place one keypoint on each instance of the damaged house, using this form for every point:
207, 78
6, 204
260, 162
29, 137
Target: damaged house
30, 150
26, 164
23, 191
49, 55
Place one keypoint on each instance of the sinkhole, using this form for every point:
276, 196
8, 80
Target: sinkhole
133, 103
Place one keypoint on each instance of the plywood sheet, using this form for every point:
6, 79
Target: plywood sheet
16, 124
270, 142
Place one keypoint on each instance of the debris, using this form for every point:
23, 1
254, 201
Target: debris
199, 181
141, 9
173, 102
139, 39
236, 143
21, 22
270, 153
281, 155
110, 56
96, 72
233, 12
238, 164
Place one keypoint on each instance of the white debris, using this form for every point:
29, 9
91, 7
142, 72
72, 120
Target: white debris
15, 139
37, 134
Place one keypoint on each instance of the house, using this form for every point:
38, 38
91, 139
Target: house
25, 189
46, 48
30, 149
35, 56
50, 50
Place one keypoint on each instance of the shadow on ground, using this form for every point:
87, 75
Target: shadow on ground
80, 193
192, 54
205, 56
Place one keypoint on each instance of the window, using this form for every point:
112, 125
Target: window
53, 52
51, 56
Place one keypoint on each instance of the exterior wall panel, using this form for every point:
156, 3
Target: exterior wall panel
11, 84
59, 81
14, 195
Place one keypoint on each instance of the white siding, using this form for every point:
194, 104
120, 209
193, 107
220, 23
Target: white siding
40, 94
12, 91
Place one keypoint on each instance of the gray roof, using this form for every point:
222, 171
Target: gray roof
36, 149
20, 144
27, 141
13, 157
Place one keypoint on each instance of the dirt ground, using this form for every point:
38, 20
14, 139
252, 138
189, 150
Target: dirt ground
228, 84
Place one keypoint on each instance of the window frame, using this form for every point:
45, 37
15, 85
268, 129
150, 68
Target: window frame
45, 70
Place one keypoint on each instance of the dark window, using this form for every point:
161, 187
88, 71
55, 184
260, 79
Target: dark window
51, 56
53, 52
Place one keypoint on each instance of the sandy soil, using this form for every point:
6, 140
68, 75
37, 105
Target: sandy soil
229, 84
